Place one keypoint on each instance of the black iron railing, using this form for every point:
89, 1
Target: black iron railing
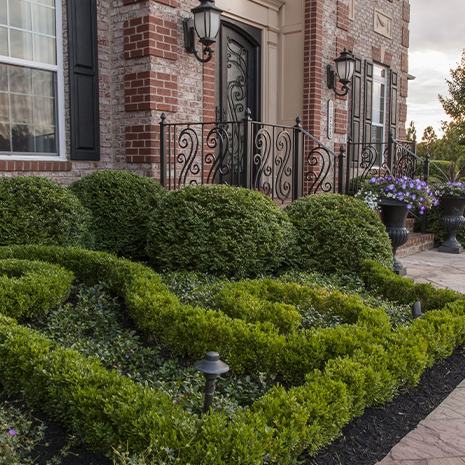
284, 162
395, 157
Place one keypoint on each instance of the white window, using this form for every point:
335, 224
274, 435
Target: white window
378, 129
31, 80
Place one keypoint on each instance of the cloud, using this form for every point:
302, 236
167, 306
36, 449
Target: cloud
437, 40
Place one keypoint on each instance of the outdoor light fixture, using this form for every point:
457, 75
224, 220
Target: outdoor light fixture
345, 67
416, 310
211, 367
206, 25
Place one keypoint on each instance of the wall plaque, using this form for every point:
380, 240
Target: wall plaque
382, 24
330, 122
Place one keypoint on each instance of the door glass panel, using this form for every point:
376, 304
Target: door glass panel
378, 132
236, 80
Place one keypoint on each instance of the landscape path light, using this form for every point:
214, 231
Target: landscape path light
212, 368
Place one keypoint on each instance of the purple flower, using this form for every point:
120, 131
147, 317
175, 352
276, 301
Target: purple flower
12, 432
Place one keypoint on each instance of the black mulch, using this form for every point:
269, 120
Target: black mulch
54, 441
369, 438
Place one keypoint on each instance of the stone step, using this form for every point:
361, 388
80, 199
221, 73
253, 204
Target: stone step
409, 224
416, 243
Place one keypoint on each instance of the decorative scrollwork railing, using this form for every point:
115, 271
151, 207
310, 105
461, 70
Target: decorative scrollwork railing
394, 157
284, 162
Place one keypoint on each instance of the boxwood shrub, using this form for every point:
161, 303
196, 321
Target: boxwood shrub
121, 203
189, 331
217, 229
36, 210
110, 411
29, 288
335, 233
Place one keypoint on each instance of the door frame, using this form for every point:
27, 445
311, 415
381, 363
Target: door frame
254, 35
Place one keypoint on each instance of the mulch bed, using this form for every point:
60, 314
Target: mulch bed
369, 438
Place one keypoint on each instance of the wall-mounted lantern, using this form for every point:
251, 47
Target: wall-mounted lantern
345, 67
206, 25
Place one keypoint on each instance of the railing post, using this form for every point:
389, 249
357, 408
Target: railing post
341, 162
426, 167
391, 152
162, 150
248, 148
297, 165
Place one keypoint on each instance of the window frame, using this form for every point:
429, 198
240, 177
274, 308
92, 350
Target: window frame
60, 91
385, 123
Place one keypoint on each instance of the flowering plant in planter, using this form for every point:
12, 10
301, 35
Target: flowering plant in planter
450, 189
413, 192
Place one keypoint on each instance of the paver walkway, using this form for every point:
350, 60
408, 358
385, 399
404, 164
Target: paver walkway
440, 438
439, 269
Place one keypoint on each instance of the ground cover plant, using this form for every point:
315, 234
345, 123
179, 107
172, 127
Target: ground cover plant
358, 363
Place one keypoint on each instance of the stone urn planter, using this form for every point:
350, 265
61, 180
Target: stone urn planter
394, 215
453, 219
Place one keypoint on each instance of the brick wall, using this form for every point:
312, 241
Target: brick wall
144, 71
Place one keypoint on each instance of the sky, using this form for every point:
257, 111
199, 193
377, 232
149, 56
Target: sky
437, 38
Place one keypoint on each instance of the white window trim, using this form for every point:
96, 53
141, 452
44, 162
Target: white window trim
60, 97
379, 125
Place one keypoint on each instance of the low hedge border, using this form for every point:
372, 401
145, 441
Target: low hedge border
190, 331
109, 410
404, 290
29, 288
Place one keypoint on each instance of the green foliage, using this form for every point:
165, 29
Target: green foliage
121, 204
30, 288
454, 104
104, 408
36, 210
95, 326
220, 230
404, 290
358, 365
336, 233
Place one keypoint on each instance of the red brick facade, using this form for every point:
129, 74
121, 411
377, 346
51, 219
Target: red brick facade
145, 71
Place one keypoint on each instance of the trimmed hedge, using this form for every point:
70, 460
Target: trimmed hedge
109, 410
121, 204
30, 289
221, 230
36, 210
335, 233
404, 290
190, 331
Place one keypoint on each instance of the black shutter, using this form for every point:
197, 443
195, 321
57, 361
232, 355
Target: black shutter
368, 103
393, 103
356, 104
83, 71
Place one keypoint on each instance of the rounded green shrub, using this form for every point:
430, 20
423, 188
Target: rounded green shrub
220, 230
30, 288
121, 203
335, 233
36, 210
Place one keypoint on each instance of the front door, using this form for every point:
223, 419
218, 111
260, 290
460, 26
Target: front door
238, 89
239, 71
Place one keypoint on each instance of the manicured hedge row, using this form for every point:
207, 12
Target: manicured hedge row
404, 290
108, 410
30, 288
190, 331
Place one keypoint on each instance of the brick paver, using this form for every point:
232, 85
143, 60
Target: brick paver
440, 438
